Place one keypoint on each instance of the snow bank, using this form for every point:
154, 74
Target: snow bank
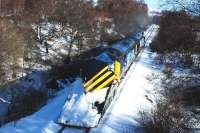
137, 93
43, 121
79, 109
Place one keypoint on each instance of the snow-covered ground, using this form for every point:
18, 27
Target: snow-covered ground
136, 95
42, 121
79, 109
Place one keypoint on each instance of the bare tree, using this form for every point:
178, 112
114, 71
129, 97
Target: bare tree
175, 33
125, 16
191, 6
12, 44
77, 23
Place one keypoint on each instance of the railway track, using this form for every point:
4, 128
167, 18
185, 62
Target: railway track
109, 104
132, 66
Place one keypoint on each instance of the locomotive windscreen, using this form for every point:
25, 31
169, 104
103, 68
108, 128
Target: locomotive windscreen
86, 69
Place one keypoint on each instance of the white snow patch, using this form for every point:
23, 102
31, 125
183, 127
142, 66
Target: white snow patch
79, 109
123, 114
43, 121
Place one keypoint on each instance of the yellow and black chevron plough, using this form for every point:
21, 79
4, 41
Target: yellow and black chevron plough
103, 78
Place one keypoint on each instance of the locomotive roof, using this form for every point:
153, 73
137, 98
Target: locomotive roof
137, 36
105, 58
124, 45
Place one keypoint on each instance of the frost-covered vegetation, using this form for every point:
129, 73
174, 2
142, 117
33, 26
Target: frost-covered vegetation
177, 45
37, 36
178, 32
39, 33
177, 101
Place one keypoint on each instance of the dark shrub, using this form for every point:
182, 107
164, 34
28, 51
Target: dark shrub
175, 34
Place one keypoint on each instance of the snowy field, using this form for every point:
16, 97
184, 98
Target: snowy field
137, 94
